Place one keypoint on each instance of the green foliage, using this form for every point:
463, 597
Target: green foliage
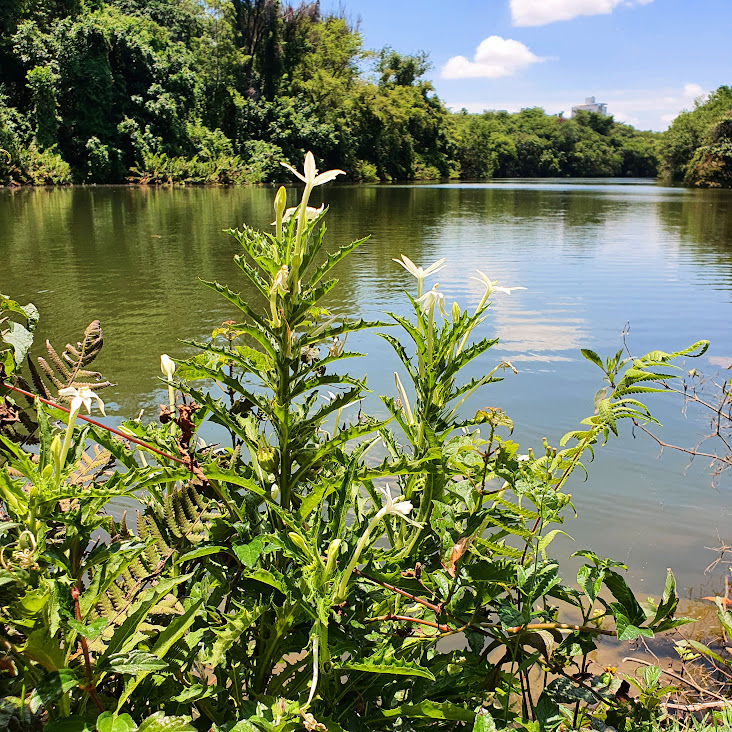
276, 581
222, 91
697, 148
531, 143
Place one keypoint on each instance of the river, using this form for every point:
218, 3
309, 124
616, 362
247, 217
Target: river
593, 255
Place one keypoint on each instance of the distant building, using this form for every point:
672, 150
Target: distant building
590, 105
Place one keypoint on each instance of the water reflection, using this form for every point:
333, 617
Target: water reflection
592, 254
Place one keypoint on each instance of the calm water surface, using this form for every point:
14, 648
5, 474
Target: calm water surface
593, 255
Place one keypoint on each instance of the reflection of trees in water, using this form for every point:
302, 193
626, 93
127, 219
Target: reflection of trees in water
703, 220
132, 256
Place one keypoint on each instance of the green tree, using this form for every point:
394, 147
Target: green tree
690, 131
42, 81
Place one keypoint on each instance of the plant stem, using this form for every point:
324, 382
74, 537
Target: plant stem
113, 431
85, 649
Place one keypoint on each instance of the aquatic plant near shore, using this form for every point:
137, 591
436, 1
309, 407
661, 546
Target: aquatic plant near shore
275, 582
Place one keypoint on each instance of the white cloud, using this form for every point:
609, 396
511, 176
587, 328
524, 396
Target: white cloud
494, 57
541, 12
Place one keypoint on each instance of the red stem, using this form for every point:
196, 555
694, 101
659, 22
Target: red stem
435, 608
85, 648
95, 423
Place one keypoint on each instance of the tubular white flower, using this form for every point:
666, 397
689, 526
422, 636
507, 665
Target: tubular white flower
419, 273
81, 397
279, 284
167, 366
492, 286
396, 508
430, 299
311, 177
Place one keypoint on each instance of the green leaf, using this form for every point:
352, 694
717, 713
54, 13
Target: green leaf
709, 652
20, 339
627, 631
44, 650
160, 723
432, 710
108, 722
90, 631
51, 687
230, 634
624, 595
385, 663
593, 357
484, 722
564, 691
204, 551
233, 479
248, 554
135, 662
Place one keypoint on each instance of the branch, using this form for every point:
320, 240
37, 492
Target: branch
697, 707
689, 451
97, 424
683, 680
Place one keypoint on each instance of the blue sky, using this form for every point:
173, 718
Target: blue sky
647, 59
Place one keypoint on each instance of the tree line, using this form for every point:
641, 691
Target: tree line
222, 91
697, 148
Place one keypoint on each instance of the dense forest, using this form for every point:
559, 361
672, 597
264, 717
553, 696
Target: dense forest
697, 148
222, 91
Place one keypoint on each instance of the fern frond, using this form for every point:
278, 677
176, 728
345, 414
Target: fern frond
89, 467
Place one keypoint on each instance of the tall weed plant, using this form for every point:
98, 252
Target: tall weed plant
291, 579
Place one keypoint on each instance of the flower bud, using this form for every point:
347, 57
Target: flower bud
335, 545
455, 312
298, 541
274, 492
332, 554
280, 202
55, 452
167, 366
268, 458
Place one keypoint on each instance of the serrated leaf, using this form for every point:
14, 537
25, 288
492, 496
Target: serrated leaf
135, 662
381, 663
432, 710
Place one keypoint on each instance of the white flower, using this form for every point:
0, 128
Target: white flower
310, 211
279, 284
311, 177
418, 272
81, 397
431, 298
167, 366
492, 286
396, 508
